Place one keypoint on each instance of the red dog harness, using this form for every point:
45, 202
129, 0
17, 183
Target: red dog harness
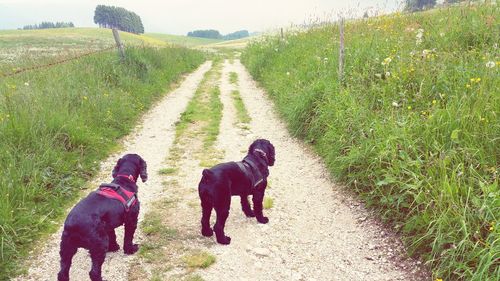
115, 191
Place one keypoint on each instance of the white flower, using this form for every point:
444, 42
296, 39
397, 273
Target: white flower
441, 34
490, 64
387, 74
26, 84
386, 61
395, 104
288, 73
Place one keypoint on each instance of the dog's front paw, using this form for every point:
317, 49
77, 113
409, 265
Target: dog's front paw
132, 249
263, 220
249, 214
207, 232
224, 240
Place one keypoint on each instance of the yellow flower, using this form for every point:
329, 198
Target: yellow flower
467, 86
434, 101
85, 97
439, 279
409, 107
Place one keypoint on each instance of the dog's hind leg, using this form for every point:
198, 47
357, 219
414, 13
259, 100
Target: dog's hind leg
222, 214
97, 254
67, 251
206, 212
112, 246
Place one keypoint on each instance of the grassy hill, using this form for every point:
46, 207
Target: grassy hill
413, 127
182, 40
24, 48
57, 122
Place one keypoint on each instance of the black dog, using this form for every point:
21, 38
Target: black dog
248, 177
91, 223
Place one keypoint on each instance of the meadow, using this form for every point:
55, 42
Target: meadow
58, 123
183, 40
413, 127
24, 48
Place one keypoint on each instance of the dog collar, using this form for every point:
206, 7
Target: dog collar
130, 177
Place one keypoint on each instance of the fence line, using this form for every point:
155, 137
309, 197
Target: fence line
54, 63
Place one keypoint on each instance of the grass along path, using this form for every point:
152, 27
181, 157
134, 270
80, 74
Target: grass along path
173, 248
151, 139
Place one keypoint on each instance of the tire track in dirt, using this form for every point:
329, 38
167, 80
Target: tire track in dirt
152, 140
316, 231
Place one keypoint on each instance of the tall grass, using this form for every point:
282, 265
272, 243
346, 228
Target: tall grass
56, 124
413, 128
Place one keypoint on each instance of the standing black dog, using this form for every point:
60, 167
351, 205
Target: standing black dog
91, 223
248, 177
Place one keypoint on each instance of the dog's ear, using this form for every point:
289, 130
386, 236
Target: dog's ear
116, 168
271, 156
144, 171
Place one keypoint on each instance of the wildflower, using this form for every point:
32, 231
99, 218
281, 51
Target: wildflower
490, 64
288, 73
467, 86
434, 101
386, 61
85, 97
387, 74
26, 84
475, 80
492, 226
441, 34
409, 107
439, 279
395, 104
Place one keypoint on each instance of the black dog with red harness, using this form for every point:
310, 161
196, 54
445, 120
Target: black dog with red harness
248, 177
91, 223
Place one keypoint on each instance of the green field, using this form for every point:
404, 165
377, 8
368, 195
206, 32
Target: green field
413, 127
183, 40
24, 48
57, 122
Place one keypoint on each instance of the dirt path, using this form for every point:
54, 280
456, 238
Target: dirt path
316, 231
151, 139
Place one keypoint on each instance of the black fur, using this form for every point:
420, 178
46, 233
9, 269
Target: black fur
91, 223
224, 180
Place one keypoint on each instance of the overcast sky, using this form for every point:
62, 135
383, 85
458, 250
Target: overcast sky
181, 16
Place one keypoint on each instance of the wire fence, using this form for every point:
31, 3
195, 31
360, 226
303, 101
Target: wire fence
21, 70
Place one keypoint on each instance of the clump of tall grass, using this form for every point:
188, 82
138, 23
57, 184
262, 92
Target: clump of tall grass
413, 127
56, 124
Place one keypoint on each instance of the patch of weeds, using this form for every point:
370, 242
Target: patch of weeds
167, 171
199, 259
195, 277
233, 77
268, 203
241, 111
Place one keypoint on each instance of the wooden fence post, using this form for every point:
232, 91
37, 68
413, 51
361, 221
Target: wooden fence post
119, 43
341, 50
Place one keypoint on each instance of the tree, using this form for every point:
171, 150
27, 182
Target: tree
419, 5
119, 18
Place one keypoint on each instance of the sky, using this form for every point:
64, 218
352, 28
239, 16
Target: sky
181, 16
